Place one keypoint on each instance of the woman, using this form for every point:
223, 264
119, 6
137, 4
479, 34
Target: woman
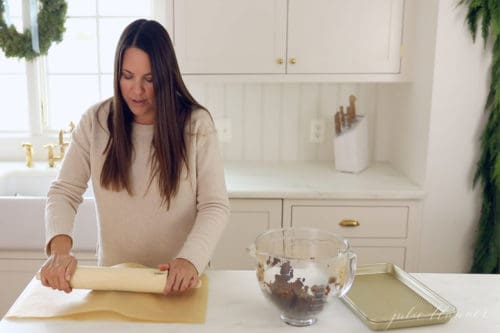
152, 155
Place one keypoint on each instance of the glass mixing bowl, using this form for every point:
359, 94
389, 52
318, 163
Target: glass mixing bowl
300, 270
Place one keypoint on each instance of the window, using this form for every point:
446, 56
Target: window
13, 83
80, 69
43, 96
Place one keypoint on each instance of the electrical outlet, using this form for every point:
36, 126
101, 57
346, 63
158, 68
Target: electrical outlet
317, 133
223, 126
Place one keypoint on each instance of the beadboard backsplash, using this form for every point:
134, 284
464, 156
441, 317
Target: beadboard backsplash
272, 121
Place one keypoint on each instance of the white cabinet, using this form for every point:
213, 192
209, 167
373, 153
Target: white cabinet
288, 36
344, 37
379, 230
17, 268
230, 36
249, 218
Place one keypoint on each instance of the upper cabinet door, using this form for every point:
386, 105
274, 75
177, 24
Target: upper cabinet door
344, 37
230, 36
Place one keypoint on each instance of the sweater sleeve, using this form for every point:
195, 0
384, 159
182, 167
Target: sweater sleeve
66, 191
212, 199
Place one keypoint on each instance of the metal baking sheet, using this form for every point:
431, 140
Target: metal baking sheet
384, 297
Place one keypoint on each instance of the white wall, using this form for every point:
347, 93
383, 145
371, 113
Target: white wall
451, 210
404, 109
271, 122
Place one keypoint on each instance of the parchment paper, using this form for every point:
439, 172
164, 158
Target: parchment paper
38, 301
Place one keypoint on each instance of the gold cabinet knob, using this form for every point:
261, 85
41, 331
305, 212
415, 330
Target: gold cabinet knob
349, 223
279, 61
293, 61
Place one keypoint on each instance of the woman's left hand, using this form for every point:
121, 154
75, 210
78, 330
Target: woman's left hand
182, 275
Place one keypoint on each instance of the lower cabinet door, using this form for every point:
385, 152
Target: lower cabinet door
15, 274
249, 218
17, 269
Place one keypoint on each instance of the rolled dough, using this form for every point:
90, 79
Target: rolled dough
124, 277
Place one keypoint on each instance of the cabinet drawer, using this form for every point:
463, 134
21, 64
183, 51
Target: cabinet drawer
376, 254
374, 221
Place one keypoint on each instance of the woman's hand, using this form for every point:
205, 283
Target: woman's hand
182, 275
57, 271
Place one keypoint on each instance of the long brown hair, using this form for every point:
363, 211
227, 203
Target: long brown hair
174, 104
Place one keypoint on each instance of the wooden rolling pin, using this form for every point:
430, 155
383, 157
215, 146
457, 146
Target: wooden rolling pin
119, 278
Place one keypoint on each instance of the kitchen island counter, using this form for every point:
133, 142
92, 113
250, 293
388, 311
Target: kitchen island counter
235, 304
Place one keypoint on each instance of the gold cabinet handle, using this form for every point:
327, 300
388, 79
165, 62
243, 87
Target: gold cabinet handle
349, 223
280, 61
293, 61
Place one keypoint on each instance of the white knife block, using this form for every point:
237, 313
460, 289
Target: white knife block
351, 147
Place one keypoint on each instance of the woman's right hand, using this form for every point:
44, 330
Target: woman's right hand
57, 271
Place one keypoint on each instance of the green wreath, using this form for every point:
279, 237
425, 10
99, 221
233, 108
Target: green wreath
51, 18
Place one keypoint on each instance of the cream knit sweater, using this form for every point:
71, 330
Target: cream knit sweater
137, 228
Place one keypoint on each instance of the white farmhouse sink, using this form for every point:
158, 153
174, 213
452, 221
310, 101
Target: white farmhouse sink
26, 182
29, 183
23, 193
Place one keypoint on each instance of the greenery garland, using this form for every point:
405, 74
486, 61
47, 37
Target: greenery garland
487, 247
51, 18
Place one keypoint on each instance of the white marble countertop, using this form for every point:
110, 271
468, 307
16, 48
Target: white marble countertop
316, 180
235, 304
281, 180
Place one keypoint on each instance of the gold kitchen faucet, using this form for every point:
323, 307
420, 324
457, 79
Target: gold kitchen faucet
28, 154
61, 145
